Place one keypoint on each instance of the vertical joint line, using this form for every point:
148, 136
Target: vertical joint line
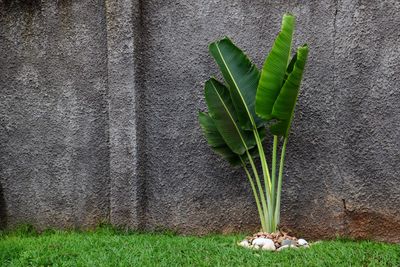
108, 109
141, 174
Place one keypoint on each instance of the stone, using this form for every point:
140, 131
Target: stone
288, 242
245, 243
261, 241
286, 247
269, 245
302, 242
283, 247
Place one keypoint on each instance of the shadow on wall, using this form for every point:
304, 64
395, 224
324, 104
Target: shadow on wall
3, 213
23, 3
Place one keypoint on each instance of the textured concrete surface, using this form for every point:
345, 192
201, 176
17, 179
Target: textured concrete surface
54, 113
99, 104
123, 23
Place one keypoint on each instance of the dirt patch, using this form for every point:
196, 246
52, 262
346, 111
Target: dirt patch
364, 224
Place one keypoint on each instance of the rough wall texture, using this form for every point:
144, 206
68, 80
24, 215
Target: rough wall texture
54, 112
99, 104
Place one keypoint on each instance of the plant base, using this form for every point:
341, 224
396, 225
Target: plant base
273, 241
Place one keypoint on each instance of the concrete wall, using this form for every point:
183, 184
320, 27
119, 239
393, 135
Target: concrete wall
99, 104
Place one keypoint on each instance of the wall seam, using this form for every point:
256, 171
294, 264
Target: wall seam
140, 125
108, 110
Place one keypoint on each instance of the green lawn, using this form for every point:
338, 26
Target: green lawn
107, 247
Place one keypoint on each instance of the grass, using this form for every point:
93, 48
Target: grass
109, 247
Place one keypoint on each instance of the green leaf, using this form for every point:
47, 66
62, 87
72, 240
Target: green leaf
274, 69
284, 106
217, 143
242, 77
223, 114
215, 139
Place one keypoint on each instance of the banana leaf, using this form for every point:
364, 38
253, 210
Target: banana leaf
215, 140
242, 77
217, 143
284, 105
274, 69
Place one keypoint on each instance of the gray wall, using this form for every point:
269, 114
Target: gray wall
99, 104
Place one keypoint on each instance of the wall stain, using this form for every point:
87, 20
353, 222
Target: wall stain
365, 224
30, 5
26, 9
65, 11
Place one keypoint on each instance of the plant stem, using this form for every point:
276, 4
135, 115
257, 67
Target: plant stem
260, 189
266, 176
264, 165
279, 189
255, 194
273, 190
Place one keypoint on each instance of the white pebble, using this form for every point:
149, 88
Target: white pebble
283, 247
244, 243
269, 245
302, 242
261, 241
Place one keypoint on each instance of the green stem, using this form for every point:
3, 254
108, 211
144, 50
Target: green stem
279, 189
260, 189
266, 176
264, 165
273, 190
255, 194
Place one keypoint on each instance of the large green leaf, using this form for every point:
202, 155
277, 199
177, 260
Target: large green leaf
217, 143
215, 140
284, 106
222, 111
274, 69
242, 77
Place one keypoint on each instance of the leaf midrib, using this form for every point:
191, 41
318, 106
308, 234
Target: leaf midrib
230, 116
237, 87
